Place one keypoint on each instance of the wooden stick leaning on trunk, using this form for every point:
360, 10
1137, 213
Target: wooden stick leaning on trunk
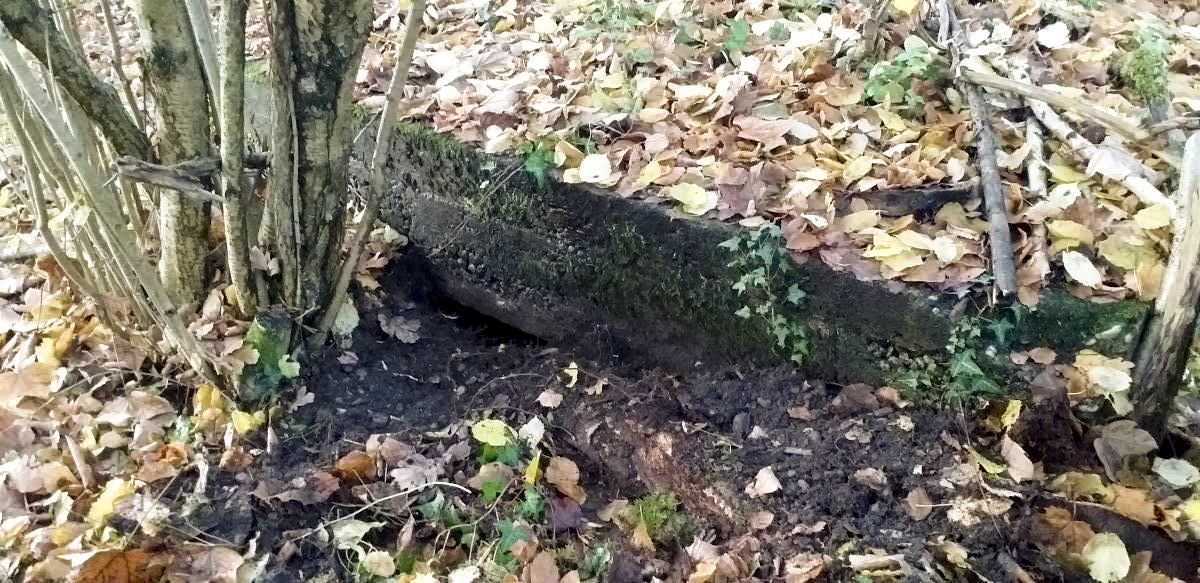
383, 147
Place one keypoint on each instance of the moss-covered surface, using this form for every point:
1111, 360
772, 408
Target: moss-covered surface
579, 266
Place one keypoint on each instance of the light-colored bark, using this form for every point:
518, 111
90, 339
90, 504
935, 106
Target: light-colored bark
181, 115
233, 139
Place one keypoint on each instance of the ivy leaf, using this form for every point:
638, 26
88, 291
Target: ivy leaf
963, 365
795, 295
739, 33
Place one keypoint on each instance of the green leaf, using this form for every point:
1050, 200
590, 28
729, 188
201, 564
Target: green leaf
732, 244
743, 313
795, 295
491, 490
1000, 328
779, 32
963, 365
531, 507
739, 33
289, 368
432, 510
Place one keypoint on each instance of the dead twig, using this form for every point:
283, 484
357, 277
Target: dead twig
994, 202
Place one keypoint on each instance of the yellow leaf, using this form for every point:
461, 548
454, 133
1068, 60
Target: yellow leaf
1067, 234
1153, 217
855, 222
46, 353
533, 470
891, 120
885, 245
1011, 413
905, 6
114, 491
1065, 174
244, 422
857, 168
696, 200
492, 432
985, 464
1126, 255
652, 114
946, 249
902, 261
915, 240
567, 155
652, 171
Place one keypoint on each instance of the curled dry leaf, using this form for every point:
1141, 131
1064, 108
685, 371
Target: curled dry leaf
764, 483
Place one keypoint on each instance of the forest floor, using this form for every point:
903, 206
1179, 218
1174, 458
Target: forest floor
468, 449
433, 444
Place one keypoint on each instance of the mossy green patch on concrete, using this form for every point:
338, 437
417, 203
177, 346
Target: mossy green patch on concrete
489, 191
1069, 324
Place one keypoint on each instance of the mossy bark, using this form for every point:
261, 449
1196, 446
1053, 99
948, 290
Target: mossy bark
317, 47
605, 275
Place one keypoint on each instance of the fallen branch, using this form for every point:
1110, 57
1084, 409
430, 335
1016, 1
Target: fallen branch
1086, 151
1131, 131
994, 201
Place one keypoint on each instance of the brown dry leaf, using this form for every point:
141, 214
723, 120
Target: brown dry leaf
641, 537
134, 566
542, 569
564, 475
917, 504
1055, 528
211, 564
1133, 503
761, 520
1020, 467
31, 380
764, 483
805, 567
356, 466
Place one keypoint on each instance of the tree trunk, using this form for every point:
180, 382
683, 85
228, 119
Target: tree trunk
315, 56
181, 113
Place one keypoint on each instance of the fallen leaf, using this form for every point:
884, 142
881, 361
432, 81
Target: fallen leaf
764, 483
1080, 268
917, 504
1106, 557
563, 474
1020, 468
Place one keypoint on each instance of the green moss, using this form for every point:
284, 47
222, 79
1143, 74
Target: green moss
1145, 67
1069, 324
665, 522
488, 191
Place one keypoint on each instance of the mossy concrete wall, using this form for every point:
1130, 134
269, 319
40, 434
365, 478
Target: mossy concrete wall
609, 276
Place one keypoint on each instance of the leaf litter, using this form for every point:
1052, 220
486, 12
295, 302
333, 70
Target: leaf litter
735, 112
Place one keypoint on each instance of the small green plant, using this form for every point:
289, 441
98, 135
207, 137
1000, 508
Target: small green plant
891, 81
1145, 67
764, 263
539, 159
665, 522
961, 378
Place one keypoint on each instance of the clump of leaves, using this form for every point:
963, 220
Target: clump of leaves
620, 19
764, 264
269, 334
1145, 67
966, 378
891, 81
